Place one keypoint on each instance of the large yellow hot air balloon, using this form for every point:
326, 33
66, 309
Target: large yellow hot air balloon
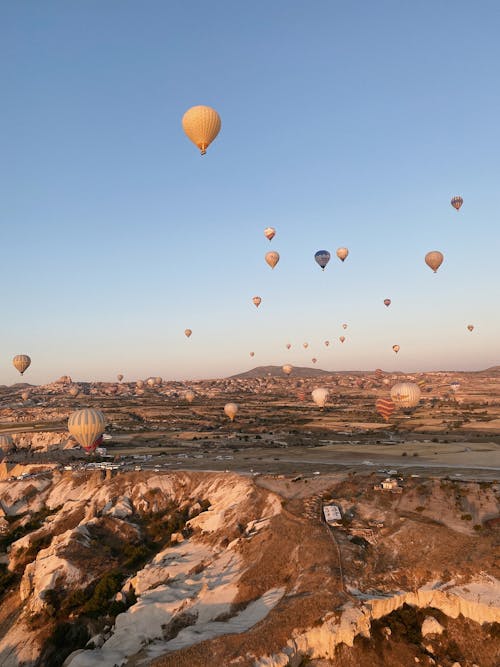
342, 253
396, 348
269, 233
287, 369
231, 410
86, 426
21, 362
457, 202
201, 124
257, 301
320, 396
272, 258
434, 259
187, 332
405, 394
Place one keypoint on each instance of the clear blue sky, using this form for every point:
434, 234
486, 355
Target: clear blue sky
343, 124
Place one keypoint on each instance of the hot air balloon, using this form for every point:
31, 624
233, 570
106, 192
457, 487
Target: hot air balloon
287, 369
272, 258
301, 395
252, 354
342, 253
405, 394
327, 343
269, 233
344, 326
231, 410
6, 443
434, 259
457, 202
189, 395
455, 386
387, 302
139, 384
320, 396
119, 377
305, 345
396, 348
201, 124
257, 301
341, 339
322, 258
21, 362
150, 382
73, 391
25, 395
385, 407
187, 332
288, 346
470, 327
86, 426
314, 360
158, 381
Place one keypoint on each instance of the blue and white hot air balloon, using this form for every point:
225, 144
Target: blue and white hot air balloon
322, 257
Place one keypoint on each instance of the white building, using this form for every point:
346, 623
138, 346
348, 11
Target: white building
332, 514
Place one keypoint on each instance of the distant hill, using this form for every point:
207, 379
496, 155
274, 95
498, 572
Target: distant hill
275, 371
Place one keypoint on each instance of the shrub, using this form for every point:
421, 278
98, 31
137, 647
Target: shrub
105, 589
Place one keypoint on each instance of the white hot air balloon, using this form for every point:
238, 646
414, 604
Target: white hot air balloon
86, 426
405, 394
320, 396
287, 369
231, 410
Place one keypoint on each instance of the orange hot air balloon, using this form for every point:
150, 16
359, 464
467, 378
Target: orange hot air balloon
257, 301
327, 343
342, 253
470, 327
314, 360
272, 258
434, 259
187, 332
305, 345
201, 124
385, 407
396, 348
341, 339
269, 233
288, 346
457, 202
252, 354
387, 302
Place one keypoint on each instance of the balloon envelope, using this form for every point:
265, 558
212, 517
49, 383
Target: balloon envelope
342, 253
305, 345
396, 348
86, 426
457, 202
327, 343
189, 395
320, 396
272, 258
434, 259
231, 410
252, 354
288, 346
314, 360
187, 332
387, 302
385, 407
341, 339
21, 362
287, 369
257, 301
201, 124
269, 233
322, 258
6, 443
470, 327
405, 394
119, 377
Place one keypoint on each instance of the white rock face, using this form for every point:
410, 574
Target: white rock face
431, 627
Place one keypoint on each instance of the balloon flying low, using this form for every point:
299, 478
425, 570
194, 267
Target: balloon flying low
139, 384
73, 391
320, 396
269, 233
322, 258
21, 362
385, 407
201, 124
405, 394
231, 410
434, 259
287, 369
272, 258
119, 377
396, 348
257, 301
457, 202
189, 395
187, 333
86, 426
387, 302
342, 253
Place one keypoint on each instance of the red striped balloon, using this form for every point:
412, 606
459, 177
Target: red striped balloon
385, 407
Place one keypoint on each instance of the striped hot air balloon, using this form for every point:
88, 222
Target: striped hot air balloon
86, 426
405, 394
385, 407
21, 362
457, 202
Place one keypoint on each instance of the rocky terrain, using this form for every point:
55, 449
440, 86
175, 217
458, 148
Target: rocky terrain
187, 568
